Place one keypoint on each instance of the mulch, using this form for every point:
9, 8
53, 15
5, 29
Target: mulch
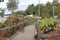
3, 38
55, 35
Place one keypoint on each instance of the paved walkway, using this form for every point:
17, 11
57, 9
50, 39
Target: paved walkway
28, 34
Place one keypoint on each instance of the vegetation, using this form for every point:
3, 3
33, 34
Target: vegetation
45, 10
2, 25
20, 23
47, 24
12, 5
2, 12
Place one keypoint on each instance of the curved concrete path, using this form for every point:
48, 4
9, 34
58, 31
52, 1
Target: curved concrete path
28, 34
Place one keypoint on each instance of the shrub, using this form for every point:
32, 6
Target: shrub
2, 25
46, 24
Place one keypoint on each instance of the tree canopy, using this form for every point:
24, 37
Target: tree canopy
12, 5
45, 10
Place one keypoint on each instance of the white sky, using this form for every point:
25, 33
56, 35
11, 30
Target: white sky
27, 2
23, 4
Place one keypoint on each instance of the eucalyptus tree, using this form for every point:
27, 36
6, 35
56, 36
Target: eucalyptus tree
12, 5
30, 9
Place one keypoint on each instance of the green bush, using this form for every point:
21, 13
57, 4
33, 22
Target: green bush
2, 25
47, 24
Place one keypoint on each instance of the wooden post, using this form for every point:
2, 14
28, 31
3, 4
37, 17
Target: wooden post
37, 29
53, 12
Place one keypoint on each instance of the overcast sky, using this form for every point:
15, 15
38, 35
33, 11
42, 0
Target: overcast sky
23, 4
